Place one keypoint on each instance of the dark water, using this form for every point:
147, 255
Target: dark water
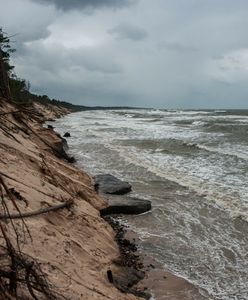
192, 165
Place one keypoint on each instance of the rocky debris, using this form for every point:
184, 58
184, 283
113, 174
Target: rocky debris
61, 147
130, 206
50, 127
130, 262
65, 144
67, 134
109, 184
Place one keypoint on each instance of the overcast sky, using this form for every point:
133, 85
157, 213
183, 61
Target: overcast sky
153, 53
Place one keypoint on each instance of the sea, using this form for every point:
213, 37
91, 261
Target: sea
193, 166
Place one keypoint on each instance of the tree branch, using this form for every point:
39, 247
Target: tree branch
66, 204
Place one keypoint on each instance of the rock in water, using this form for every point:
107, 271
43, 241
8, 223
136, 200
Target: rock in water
131, 206
109, 184
67, 134
61, 147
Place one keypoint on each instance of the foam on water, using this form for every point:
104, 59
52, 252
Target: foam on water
193, 166
217, 176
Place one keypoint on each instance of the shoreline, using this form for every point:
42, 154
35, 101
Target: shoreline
39, 171
73, 246
162, 282
155, 282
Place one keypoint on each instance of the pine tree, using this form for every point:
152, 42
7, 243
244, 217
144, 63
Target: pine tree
6, 50
5, 68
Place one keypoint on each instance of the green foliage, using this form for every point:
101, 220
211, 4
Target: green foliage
6, 50
19, 89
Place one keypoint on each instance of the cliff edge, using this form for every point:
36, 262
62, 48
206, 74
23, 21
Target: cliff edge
49, 215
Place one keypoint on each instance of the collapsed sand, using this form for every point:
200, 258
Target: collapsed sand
74, 246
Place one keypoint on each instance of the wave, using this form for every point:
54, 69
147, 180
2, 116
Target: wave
227, 127
199, 123
222, 151
177, 147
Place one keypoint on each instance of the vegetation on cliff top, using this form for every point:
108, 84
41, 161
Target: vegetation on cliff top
17, 89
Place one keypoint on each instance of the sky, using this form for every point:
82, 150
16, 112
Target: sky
146, 53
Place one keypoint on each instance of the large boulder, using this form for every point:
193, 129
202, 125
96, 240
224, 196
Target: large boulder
109, 184
130, 206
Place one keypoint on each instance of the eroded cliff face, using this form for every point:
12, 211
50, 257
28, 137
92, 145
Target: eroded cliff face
73, 245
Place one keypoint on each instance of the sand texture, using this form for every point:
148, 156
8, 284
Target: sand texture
73, 245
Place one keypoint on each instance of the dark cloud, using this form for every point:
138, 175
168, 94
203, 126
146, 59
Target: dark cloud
128, 31
28, 21
82, 4
196, 54
56, 58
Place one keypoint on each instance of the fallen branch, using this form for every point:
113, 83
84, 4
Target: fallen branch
66, 204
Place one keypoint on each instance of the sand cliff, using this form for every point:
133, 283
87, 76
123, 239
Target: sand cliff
73, 245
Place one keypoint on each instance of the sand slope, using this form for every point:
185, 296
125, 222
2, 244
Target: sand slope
75, 246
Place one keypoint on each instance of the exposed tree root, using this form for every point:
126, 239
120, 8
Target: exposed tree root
23, 271
66, 204
19, 271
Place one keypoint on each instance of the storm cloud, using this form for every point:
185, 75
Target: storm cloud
82, 4
166, 54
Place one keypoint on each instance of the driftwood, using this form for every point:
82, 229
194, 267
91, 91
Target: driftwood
66, 204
